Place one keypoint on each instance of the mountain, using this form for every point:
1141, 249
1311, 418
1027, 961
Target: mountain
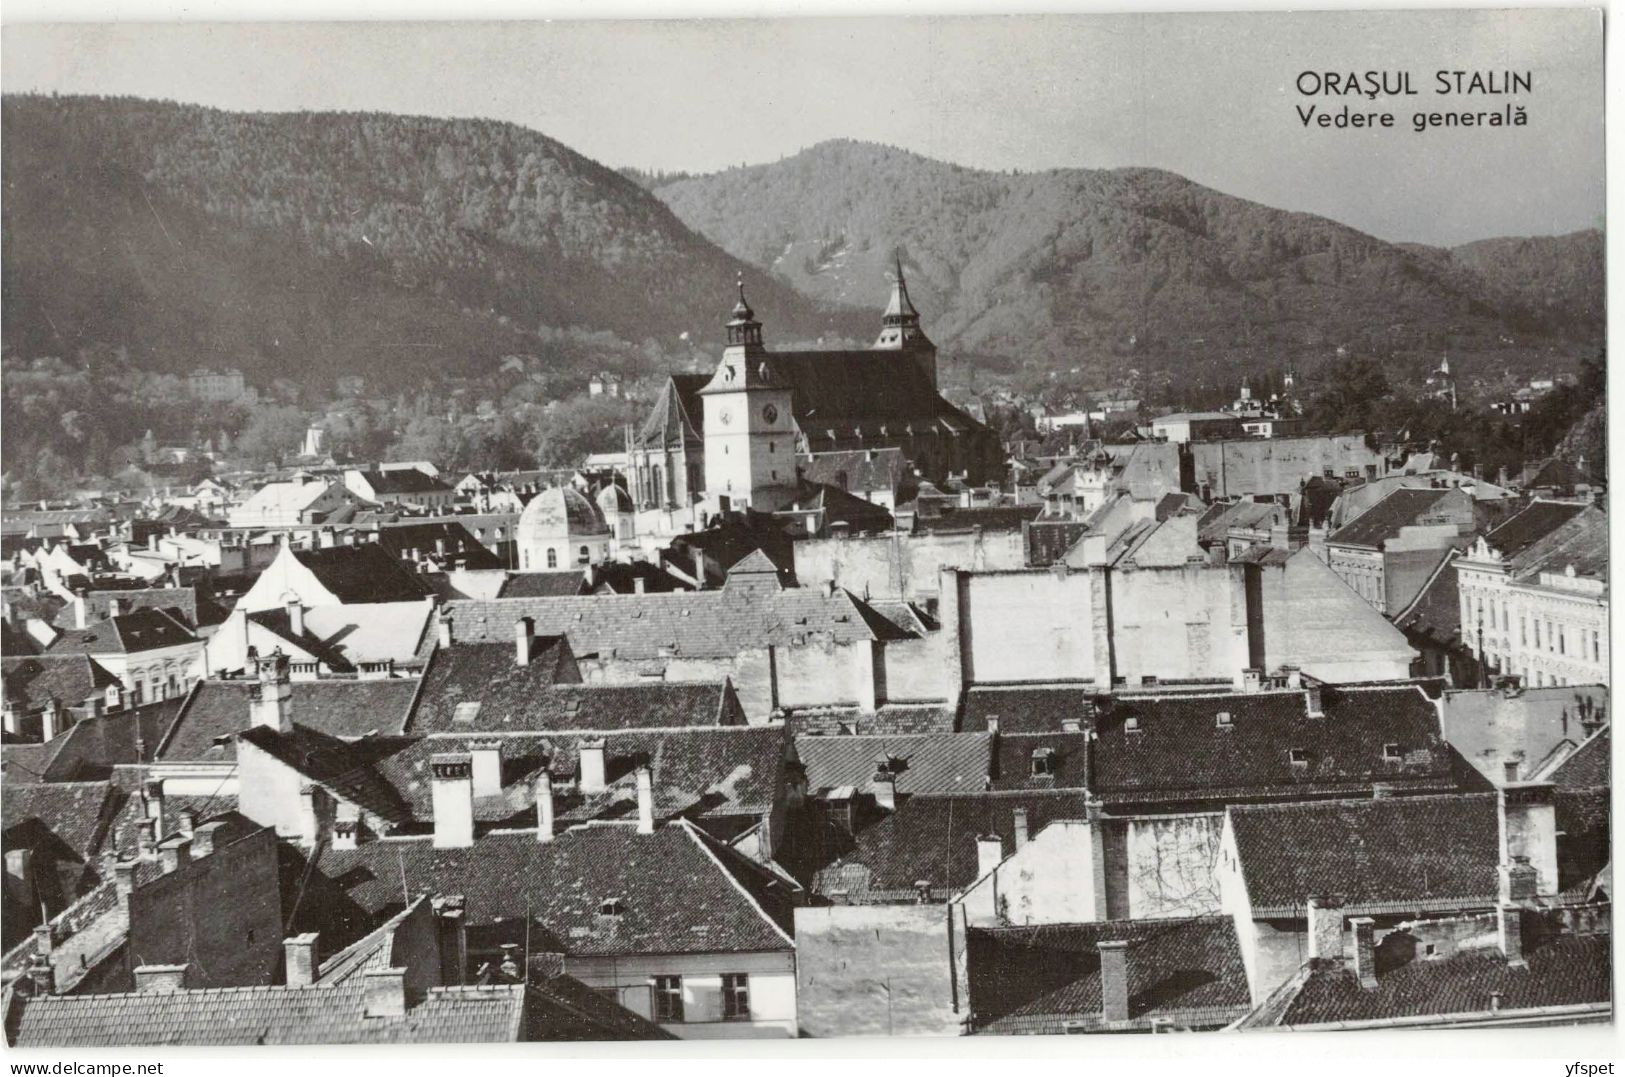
311, 245
1104, 270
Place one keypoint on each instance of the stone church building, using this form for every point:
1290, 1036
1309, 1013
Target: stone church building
740, 436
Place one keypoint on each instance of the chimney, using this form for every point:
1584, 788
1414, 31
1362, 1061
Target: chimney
1071, 724
993, 724
1365, 950
113, 608
646, 799
1519, 881
486, 758
160, 979
442, 626
1510, 928
313, 808
346, 833
385, 992
1312, 702
1293, 675
1528, 833
296, 615
1326, 926
1252, 679
187, 821
883, 785
544, 805
124, 879
828, 587
989, 853
80, 614
300, 952
42, 974
699, 569
591, 765
524, 636
452, 800
174, 854
1114, 981
270, 700
1020, 826
146, 845
637, 585
203, 839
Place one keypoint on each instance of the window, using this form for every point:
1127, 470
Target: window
735, 996
1523, 631
668, 998
1390, 753
584, 556
1297, 757
552, 558
1596, 647
1043, 762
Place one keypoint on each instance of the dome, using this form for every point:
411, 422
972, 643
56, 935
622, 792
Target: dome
559, 512
613, 500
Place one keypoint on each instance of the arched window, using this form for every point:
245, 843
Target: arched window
552, 558
585, 555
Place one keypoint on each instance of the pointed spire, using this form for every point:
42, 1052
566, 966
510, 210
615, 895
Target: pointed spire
743, 328
899, 311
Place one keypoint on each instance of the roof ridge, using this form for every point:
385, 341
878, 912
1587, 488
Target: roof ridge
1311, 805
693, 832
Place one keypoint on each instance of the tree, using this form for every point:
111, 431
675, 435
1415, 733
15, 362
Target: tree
1350, 398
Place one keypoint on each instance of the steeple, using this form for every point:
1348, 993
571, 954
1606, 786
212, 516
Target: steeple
743, 328
900, 325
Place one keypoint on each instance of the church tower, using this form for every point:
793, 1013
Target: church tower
749, 433
900, 328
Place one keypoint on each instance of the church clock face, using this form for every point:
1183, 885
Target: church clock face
770, 414
726, 416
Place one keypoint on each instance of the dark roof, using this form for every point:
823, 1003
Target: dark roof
1042, 761
477, 688
543, 585
677, 415
76, 814
930, 762
404, 480
1028, 709
1587, 767
181, 601
1383, 520
843, 390
217, 710
1435, 613
1180, 751
563, 1009
69, 679
838, 507
997, 518
1531, 525
929, 839
458, 542
1046, 979
680, 891
1398, 853
275, 1014
1563, 971
365, 573
859, 469
1579, 543
92, 747
146, 629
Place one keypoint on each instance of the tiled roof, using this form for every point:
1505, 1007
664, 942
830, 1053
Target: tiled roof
931, 762
146, 629
558, 707
543, 585
1402, 853
352, 770
1028, 709
889, 719
1531, 525
677, 414
1584, 848
1383, 520
404, 480
1046, 979
355, 633
267, 1015
69, 679
700, 624
365, 573
1491, 727
1580, 542
997, 518
1180, 751
23, 764
679, 891
563, 1009
217, 710
75, 814
1565, 971
1435, 612
861, 469
422, 536
929, 839
92, 747
181, 600
1587, 767
1042, 761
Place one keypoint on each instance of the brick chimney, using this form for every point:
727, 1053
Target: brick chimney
385, 992
591, 765
160, 979
1527, 817
646, 799
544, 806
1365, 950
989, 853
300, 954
524, 640
1326, 926
1509, 928
451, 793
1113, 981
270, 700
486, 758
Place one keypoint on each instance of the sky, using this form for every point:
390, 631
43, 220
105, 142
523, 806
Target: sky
1212, 97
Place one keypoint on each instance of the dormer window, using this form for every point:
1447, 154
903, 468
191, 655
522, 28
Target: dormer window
1222, 720
611, 907
1298, 757
1131, 724
1391, 753
1043, 762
